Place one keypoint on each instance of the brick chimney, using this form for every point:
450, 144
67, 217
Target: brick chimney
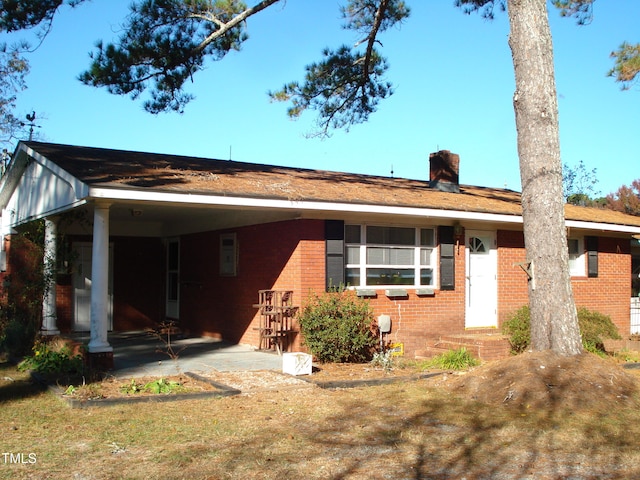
444, 167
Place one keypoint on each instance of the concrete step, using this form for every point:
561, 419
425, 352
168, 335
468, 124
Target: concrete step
431, 351
483, 346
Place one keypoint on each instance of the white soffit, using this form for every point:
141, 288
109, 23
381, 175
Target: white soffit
112, 194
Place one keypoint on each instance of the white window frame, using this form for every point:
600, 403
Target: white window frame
359, 251
577, 260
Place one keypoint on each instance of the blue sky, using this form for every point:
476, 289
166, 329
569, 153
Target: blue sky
453, 81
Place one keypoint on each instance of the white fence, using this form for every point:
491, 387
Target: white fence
635, 315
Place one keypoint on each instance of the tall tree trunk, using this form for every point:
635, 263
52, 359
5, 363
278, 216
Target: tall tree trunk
554, 322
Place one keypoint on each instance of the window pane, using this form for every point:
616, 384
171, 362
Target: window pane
391, 236
401, 256
172, 287
389, 256
425, 256
352, 277
390, 276
573, 246
476, 245
353, 255
352, 233
426, 276
427, 237
377, 256
376, 235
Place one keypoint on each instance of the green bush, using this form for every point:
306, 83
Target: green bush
518, 329
337, 327
51, 357
594, 328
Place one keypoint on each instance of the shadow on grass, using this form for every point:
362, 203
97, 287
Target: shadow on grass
463, 443
428, 434
410, 430
444, 436
15, 385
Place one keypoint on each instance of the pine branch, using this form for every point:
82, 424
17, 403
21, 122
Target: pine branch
225, 27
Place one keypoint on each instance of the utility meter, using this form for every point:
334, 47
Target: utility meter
384, 323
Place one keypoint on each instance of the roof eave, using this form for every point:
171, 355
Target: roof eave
116, 195
128, 194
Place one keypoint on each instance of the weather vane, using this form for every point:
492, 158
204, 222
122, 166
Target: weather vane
31, 118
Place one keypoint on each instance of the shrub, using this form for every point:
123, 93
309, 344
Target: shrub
54, 358
594, 328
337, 327
517, 328
22, 291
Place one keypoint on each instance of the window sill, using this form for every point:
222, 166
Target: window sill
395, 292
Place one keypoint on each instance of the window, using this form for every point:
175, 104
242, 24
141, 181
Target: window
576, 257
228, 255
389, 256
173, 278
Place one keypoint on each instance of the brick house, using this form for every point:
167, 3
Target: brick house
150, 237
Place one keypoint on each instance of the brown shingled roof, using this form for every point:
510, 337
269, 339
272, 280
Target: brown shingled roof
174, 173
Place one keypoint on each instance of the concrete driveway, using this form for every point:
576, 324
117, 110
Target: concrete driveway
138, 354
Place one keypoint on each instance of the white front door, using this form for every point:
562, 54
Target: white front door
82, 287
481, 279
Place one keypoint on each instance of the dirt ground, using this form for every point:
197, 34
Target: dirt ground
531, 380
248, 382
548, 418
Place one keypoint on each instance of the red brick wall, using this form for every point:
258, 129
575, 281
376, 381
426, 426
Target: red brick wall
512, 280
64, 303
291, 256
609, 293
277, 256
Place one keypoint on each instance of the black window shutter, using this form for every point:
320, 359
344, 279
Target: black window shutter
591, 244
334, 238
447, 259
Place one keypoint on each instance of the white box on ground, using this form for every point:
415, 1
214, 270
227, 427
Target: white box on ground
297, 363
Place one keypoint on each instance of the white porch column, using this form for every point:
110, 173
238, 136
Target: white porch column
99, 342
49, 316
